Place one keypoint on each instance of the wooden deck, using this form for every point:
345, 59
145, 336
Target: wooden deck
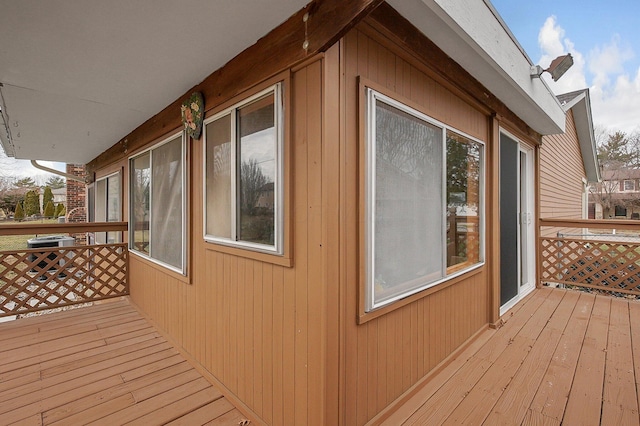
104, 364
562, 357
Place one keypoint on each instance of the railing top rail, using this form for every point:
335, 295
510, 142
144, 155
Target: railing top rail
64, 249
593, 238
65, 228
592, 223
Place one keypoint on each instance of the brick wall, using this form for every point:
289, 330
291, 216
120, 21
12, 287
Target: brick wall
76, 199
76, 194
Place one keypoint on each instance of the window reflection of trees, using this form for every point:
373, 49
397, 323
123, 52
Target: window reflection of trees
463, 199
141, 196
405, 142
241, 173
408, 200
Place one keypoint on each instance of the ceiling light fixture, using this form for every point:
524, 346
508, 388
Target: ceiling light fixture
558, 67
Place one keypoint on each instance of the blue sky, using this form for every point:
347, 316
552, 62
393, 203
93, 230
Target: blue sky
604, 39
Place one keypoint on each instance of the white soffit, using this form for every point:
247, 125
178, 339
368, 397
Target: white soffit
79, 75
472, 34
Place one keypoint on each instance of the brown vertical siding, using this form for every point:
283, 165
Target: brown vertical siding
286, 340
259, 328
561, 174
387, 355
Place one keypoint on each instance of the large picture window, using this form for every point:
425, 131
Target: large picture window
243, 174
157, 203
423, 201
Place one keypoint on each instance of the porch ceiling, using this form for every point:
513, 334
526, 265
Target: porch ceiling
79, 75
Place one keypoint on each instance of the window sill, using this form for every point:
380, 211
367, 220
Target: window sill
364, 317
159, 266
276, 259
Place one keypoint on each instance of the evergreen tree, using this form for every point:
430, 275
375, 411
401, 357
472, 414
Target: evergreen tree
49, 210
59, 209
19, 213
56, 182
27, 183
31, 203
47, 197
615, 151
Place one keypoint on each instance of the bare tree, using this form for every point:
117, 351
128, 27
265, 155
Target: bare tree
602, 193
252, 184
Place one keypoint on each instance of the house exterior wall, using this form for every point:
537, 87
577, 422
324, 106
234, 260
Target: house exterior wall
562, 176
618, 195
388, 354
258, 327
287, 339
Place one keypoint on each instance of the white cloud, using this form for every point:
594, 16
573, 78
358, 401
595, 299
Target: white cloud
553, 44
11, 168
608, 60
615, 95
550, 38
617, 106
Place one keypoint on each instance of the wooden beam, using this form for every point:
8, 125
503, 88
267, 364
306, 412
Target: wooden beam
399, 29
328, 21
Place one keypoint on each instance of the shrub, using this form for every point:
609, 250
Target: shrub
59, 210
31, 203
49, 210
19, 213
46, 198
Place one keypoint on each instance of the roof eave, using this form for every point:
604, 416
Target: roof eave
474, 36
581, 107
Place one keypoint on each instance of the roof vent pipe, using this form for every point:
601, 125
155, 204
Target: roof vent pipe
38, 166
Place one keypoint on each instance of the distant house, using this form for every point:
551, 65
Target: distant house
59, 195
617, 196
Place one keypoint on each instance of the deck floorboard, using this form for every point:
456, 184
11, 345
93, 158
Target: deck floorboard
561, 357
104, 364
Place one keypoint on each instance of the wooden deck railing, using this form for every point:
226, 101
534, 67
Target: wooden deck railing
34, 279
588, 254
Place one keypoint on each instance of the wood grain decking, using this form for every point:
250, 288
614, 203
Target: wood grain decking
104, 364
562, 357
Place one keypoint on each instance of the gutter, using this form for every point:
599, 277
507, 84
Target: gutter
38, 166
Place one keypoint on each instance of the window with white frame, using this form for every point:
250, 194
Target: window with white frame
629, 185
243, 196
157, 203
423, 198
108, 206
